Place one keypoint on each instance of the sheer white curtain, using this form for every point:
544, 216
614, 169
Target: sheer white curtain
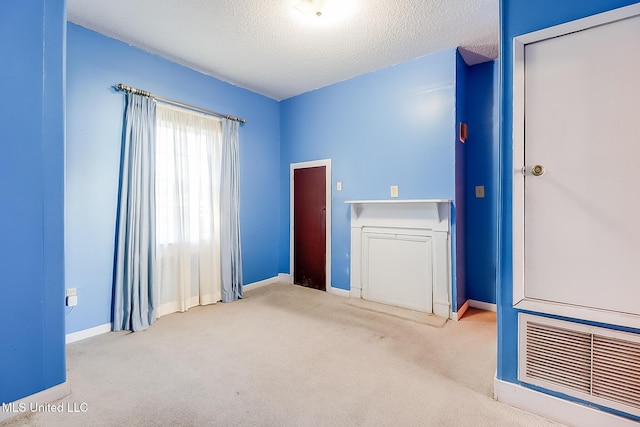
188, 176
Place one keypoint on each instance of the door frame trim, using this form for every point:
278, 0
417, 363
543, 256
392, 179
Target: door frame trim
304, 165
520, 299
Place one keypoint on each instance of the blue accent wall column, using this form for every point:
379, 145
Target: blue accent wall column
459, 231
482, 169
519, 17
32, 118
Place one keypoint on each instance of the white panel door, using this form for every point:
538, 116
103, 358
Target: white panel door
398, 270
581, 123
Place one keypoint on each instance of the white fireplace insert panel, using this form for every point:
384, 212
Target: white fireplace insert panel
401, 253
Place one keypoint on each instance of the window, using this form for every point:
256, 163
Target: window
188, 175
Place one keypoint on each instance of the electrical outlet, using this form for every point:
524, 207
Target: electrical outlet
394, 191
339, 186
479, 191
71, 292
72, 301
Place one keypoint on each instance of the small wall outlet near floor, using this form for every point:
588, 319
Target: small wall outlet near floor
72, 297
394, 191
479, 191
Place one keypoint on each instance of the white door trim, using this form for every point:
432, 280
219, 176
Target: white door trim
518, 209
303, 165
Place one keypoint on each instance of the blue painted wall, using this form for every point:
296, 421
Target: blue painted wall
460, 211
394, 126
481, 168
94, 117
518, 17
32, 40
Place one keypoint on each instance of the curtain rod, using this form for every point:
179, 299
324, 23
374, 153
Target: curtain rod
135, 91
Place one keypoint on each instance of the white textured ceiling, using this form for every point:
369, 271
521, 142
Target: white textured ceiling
269, 47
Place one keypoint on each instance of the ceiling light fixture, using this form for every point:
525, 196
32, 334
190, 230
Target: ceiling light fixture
310, 7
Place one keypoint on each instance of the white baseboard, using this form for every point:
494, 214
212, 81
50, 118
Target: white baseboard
554, 408
49, 395
260, 283
87, 333
98, 330
339, 292
355, 293
486, 306
475, 304
285, 277
458, 314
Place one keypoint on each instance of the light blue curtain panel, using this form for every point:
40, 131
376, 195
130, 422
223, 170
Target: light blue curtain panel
231, 254
134, 265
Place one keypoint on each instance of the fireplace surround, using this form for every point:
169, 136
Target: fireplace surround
401, 253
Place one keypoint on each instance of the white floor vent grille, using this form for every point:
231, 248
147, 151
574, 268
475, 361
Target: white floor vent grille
595, 364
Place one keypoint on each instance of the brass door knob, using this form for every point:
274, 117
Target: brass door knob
537, 170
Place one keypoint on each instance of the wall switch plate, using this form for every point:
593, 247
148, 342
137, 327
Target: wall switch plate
71, 292
339, 186
72, 301
394, 191
479, 191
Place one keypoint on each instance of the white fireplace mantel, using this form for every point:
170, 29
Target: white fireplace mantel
423, 213
401, 253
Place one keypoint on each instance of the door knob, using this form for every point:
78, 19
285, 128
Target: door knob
537, 170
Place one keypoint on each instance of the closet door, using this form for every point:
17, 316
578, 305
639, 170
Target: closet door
576, 196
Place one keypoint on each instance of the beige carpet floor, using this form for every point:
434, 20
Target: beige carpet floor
287, 356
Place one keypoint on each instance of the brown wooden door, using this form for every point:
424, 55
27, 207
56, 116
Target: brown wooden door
309, 227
